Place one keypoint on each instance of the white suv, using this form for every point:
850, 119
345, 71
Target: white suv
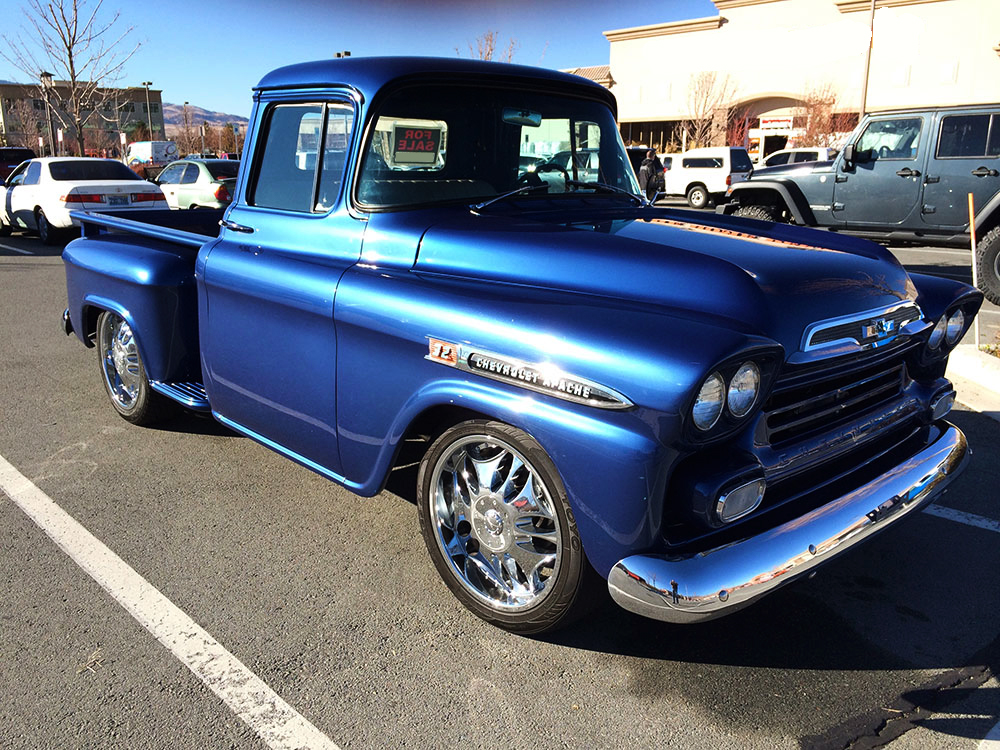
704, 174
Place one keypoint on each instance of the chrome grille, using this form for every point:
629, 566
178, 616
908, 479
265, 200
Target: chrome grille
808, 401
866, 329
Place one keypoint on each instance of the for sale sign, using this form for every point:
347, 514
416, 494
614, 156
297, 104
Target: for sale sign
415, 145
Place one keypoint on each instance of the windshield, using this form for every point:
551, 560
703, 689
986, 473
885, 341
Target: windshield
90, 169
436, 144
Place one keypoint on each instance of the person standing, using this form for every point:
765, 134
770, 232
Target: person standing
651, 175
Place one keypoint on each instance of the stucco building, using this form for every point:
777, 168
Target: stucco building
23, 117
774, 56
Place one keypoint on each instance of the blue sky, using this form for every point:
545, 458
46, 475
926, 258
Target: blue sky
211, 53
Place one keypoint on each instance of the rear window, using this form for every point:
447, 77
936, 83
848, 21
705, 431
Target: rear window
98, 169
739, 160
223, 170
969, 136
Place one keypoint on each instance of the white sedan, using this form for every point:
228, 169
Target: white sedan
40, 193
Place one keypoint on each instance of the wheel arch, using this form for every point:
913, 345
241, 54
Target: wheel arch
776, 194
988, 217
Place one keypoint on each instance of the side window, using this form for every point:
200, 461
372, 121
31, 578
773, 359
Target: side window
967, 136
708, 162
891, 139
777, 160
190, 174
171, 175
801, 156
33, 174
286, 175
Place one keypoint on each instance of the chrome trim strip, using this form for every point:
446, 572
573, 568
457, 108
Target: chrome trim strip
727, 578
539, 377
813, 328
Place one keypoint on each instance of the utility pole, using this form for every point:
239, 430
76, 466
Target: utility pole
868, 59
149, 113
46, 79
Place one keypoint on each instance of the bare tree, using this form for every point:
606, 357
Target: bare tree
87, 53
486, 48
820, 122
710, 101
21, 124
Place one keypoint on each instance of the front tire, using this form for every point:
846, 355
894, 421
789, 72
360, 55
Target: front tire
124, 374
497, 524
988, 265
761, 213
697, 196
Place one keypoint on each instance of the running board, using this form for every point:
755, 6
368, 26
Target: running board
192, 395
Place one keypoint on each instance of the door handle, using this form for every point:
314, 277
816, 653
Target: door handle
984, 172
233, 226
907, 172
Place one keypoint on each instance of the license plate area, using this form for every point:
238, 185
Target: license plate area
117, 200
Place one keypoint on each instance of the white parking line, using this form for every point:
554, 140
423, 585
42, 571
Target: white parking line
249, 697
16, 250
968, 519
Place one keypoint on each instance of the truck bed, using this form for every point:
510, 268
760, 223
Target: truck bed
191, 228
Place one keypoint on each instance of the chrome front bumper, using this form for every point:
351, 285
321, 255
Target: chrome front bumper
725, 579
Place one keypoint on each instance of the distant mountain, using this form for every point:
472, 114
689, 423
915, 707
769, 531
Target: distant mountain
173, 118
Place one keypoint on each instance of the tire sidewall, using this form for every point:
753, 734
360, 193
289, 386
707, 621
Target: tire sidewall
692, 196
139, 412
556, 608
988, 265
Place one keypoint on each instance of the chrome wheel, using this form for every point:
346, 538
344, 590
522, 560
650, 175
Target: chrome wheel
122, 367
495, 522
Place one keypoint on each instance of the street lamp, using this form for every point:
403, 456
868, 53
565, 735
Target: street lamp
46, 79
149, 112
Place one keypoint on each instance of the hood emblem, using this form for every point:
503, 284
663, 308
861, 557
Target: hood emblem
879, 328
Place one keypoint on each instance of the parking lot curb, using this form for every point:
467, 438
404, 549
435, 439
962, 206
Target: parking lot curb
976, 376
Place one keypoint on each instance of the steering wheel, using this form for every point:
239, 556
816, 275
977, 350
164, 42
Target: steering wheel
528, 178
551, 166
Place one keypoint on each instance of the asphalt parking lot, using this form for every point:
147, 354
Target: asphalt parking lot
330, 601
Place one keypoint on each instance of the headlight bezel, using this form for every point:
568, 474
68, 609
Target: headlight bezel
767, 360
953, 333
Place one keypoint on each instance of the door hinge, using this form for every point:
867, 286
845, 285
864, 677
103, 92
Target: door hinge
925, 209
840, 178
837, 206
928, 180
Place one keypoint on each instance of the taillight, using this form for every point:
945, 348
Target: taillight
82, 198
146, 197
222, 195
729, 180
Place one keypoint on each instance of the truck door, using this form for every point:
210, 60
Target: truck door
966, 160
269, 344
882, 186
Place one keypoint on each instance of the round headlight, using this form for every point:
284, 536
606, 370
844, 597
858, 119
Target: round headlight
937, 335
743, 389
955, 325
708, 405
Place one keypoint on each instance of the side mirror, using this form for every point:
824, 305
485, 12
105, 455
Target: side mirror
848, 155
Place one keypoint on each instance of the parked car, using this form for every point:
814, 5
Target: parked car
199, 183
903, 176
39, 194
799, 156
703, 175
10, 157
696, 409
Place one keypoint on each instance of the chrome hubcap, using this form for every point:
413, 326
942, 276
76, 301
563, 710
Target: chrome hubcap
495, 522
122, 372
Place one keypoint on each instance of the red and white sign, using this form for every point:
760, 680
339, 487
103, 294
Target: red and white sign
776, 123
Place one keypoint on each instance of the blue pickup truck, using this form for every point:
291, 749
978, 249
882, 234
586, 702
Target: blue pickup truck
694, 408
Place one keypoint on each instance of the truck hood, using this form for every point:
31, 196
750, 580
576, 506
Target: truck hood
763, 279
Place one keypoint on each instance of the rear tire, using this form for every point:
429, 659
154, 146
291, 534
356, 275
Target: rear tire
46, 232
988, 265
698, 197
5, 229
761, 213
124, 374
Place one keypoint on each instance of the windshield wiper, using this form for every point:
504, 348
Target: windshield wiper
608, 189
509, 194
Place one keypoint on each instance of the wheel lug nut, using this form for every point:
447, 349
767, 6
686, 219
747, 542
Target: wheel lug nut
464, 528
472, 546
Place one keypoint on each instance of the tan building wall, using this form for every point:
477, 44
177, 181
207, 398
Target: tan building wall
23, 117
926, 52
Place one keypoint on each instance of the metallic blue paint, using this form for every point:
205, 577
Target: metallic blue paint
311, 332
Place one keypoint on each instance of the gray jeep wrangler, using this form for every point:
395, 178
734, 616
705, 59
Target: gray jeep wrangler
904, 177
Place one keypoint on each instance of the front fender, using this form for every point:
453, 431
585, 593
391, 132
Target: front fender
771, 192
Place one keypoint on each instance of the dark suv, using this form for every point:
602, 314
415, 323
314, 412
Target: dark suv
10, 157
904, 176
